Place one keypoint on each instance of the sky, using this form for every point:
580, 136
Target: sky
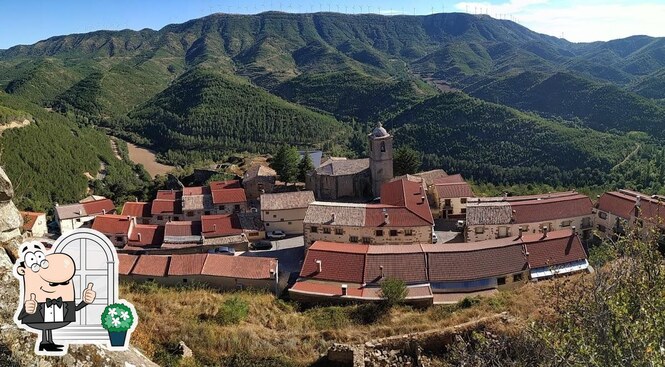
28, 21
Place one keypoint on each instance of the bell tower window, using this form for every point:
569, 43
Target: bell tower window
383, 146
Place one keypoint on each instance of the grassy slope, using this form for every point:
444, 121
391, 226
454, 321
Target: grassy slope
278, 331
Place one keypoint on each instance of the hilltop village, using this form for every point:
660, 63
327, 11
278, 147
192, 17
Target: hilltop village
352, 226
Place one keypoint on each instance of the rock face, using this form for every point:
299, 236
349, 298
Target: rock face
16, 345
10, 218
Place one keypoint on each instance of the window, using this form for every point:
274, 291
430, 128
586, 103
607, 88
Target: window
517, 277
223, 207
353, 239
447, 202
207, 212
267, 224
237, 207
326, 230
314, 229
602, 228
184, 280
78, 220
462, 200
274, 215
281, 219
393, 232
339, 231
602, 215
383, 146
119, 238
501, 281
290, 223
267, 212
379, 233
565, 223
367, 240
408, 232
480, 230
463, 210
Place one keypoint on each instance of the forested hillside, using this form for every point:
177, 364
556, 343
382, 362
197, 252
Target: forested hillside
226, 83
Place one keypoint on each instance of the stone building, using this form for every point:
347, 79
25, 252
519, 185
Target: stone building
338, 178
258, 180
619, 211
285, 211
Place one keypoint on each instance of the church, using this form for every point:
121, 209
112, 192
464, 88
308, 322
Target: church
340, 178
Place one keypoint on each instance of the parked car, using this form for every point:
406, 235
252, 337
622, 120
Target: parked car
261, 245
460, 224
222, 250
435, 238
276, 235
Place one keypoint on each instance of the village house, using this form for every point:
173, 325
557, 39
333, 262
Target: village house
139, 210
222, 272
435, 274
451, 194
618, 211
144, 237
196, 201
502, 217
229, 201
258, 180
72, 216
166, 207
116, 227
339, 178
34, 224
216, 228
285, 211
252, 225
403, 216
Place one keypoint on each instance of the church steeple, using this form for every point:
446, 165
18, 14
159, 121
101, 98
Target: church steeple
380, 157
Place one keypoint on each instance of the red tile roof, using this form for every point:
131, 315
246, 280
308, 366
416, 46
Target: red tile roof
240, 267
339, 262
111, 224
397, 217
182, 229
220, 225
151, 265
137, 209
454, 190
407, 194
166, 206
187, 264
126, 263
29, 219
221, 185
104, 206
558, 248
228, 196
617, 203
405, 262
169, 195
457, 178
530, 211
146, 235
325, 288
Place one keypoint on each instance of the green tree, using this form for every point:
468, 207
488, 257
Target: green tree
285, 163
393, 291
304, 167
407, 160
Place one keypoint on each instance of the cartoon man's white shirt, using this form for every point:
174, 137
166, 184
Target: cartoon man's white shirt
53, 313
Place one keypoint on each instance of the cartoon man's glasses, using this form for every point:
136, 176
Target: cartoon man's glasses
36, 261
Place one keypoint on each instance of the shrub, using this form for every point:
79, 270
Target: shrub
233, 311
333, 317
393, 291
469, 302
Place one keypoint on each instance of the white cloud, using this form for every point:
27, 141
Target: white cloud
582, 22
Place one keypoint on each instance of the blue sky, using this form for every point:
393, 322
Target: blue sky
28, 21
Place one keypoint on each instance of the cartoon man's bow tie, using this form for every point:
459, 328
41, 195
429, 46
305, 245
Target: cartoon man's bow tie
51, 302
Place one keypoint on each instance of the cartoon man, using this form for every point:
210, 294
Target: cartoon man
48, 293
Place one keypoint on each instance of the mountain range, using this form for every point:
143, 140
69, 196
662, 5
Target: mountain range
485, 97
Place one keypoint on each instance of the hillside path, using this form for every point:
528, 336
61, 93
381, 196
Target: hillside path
630, 155
14, 125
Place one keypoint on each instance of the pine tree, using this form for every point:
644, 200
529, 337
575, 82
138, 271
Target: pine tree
285, 163
304, 167
406, 161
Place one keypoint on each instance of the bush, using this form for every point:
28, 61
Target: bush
333, 317
233, 311
469, 302
393, 291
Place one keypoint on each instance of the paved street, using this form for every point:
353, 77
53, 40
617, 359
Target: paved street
290, 253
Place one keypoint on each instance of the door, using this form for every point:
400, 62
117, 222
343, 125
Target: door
96, 262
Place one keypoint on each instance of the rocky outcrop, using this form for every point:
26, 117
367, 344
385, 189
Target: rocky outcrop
10, 218
16, 345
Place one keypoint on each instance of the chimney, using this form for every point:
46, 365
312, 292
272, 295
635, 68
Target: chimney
422, 199
505, 196
134, 221
318, 264
129, 219
386, 219
574, 231
545, 229
521, 230
333, 218
56, 204
344, 289
638, 201
103, 211
214, 227
381, 267
139, 236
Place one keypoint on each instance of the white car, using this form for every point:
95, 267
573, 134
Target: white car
435, 238
460, 224
276, 235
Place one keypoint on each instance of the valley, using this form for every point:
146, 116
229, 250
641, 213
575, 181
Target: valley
148, 159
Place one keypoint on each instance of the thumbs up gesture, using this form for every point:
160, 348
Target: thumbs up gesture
31, 304
89, 295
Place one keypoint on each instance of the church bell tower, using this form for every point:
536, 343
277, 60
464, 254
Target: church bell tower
380, 158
